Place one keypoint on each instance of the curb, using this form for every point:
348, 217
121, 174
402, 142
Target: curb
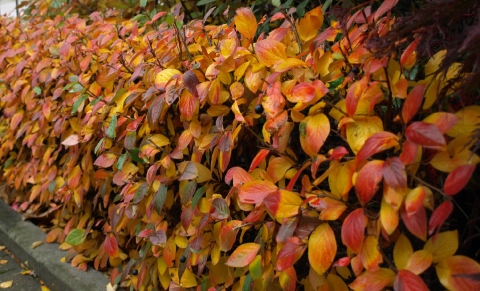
18, 236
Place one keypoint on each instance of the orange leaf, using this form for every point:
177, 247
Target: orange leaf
408, 57
238, 175
255, 191
408, 281
322, 248
303, 92
111, 246
283, 203
314, 130
441, 213
287, 64
370, 255
386, 6
261, 155
376, 143
246, 23
368, 179
388, 217
419, 261
277, 168
309, 25
269, 52
413, 102
459, 273
373, 281
414, 200
458, 179
243, 255
353, 229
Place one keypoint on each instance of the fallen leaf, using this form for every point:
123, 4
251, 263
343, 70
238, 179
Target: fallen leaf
3, 262
6, 284
36, 244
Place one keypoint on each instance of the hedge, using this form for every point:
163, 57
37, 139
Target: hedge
180, 155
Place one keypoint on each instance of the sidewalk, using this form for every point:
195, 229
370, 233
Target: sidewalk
18, 236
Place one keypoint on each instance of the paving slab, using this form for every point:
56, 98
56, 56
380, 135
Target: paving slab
18, 236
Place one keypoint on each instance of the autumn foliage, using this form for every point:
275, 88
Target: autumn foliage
193, 156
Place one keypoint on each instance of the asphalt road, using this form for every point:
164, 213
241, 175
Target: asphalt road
11, 270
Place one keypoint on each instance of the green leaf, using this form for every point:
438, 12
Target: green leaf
133, 153
73, 79
76, 237
143, 3
301, 8
247, 284
326, 5
77, 87
179, 24
37, 90
276, 3
140, 193
170, 19
196, 197
160, 198
99, 144
205, 2
121, 161
78, 103
111, 127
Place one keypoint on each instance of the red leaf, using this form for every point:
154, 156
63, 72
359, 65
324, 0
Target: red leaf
408, 281
261, 155
386, 6
394, 173
290, 253
416, 223
426, 135
406, 55
458, 179
342, 262
376, 143
409, 152
413, 102
337, 153
441, 213
367, 180
111, 246
353, 229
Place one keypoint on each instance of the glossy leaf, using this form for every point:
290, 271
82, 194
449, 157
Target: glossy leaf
322, 248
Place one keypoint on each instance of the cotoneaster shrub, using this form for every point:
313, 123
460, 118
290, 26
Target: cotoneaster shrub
193, 156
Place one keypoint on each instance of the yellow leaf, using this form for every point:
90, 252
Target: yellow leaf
269, 52
36, 244
419, 261
283, 203
444, 245
388, 217
361, 129
286, 65
277, 167
6, 284
322, 248
314, 130
162, 78
45, 288
188, 278
3, 262
469, 119
309, 25
340, 178
159, 140
371, 257
336, 283
457, 154
246, 23
402, 251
